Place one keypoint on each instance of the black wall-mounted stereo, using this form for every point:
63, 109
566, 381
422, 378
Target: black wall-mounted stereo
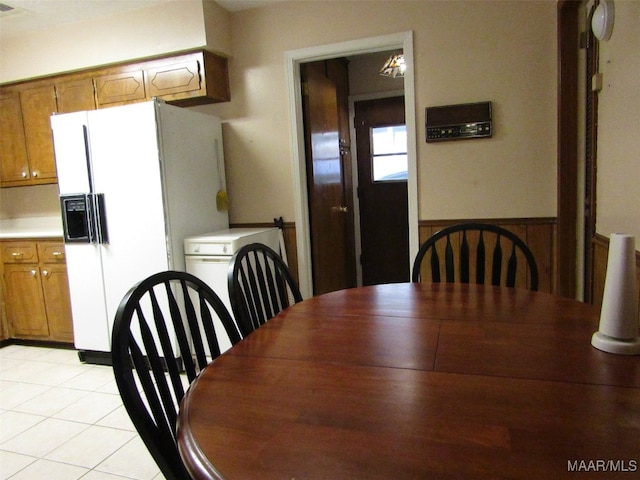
458, 122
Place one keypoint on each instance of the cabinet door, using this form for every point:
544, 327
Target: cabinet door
75, 96
14, 166
24, 301
55, 288
119, 88
37, 106
174, 78
191, 79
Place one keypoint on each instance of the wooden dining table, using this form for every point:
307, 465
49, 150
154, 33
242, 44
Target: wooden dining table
417, 381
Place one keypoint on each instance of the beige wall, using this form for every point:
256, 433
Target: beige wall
464, 52
618, 191
218, 27
169, 27
36, 201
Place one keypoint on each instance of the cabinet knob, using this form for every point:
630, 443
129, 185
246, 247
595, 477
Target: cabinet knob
17, 255
57, 254
25, 174
45, 273
34, 273
34, 174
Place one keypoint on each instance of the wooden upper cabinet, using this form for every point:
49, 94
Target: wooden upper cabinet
26, 144
120, 88
26, 148
75, 95
14, 164
38, 104
187, 79
174, 78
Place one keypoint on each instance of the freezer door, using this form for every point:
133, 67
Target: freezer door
71, 152
90, 322
84, 262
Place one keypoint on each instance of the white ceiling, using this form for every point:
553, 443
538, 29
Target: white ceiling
34, 15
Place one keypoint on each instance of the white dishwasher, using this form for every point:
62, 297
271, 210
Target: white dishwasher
207, 256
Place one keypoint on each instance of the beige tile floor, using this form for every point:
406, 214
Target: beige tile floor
64, 420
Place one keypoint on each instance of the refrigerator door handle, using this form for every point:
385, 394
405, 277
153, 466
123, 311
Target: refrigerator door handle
95, 204
87, 155
91, 218
102, 235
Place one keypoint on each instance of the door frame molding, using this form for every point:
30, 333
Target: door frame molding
293, 59
567, 164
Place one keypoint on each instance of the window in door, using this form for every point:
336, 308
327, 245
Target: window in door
389, 146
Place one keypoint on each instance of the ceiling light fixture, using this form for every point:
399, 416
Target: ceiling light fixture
394, 67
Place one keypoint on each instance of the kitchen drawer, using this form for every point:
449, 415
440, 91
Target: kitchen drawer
50, 252
19, 252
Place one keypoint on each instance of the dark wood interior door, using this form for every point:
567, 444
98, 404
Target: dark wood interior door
328, 211
384, 223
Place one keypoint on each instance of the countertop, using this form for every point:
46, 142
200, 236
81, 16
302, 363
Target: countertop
30, 227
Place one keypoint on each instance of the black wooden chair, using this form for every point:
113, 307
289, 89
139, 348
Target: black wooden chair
465, 252
260, 286
163, 336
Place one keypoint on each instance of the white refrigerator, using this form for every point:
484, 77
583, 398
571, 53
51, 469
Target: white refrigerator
134, 181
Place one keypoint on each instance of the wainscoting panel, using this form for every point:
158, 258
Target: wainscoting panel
289, 235
537, 233
600, 256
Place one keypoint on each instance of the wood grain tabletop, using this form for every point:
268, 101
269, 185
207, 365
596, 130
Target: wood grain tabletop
417, 381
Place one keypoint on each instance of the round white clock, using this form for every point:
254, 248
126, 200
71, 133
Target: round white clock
602, 21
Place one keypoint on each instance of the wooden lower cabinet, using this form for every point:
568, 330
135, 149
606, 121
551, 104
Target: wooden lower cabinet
55, 287
36, 291
26, 311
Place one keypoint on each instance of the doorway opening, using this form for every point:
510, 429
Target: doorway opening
294, 59
381, 139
